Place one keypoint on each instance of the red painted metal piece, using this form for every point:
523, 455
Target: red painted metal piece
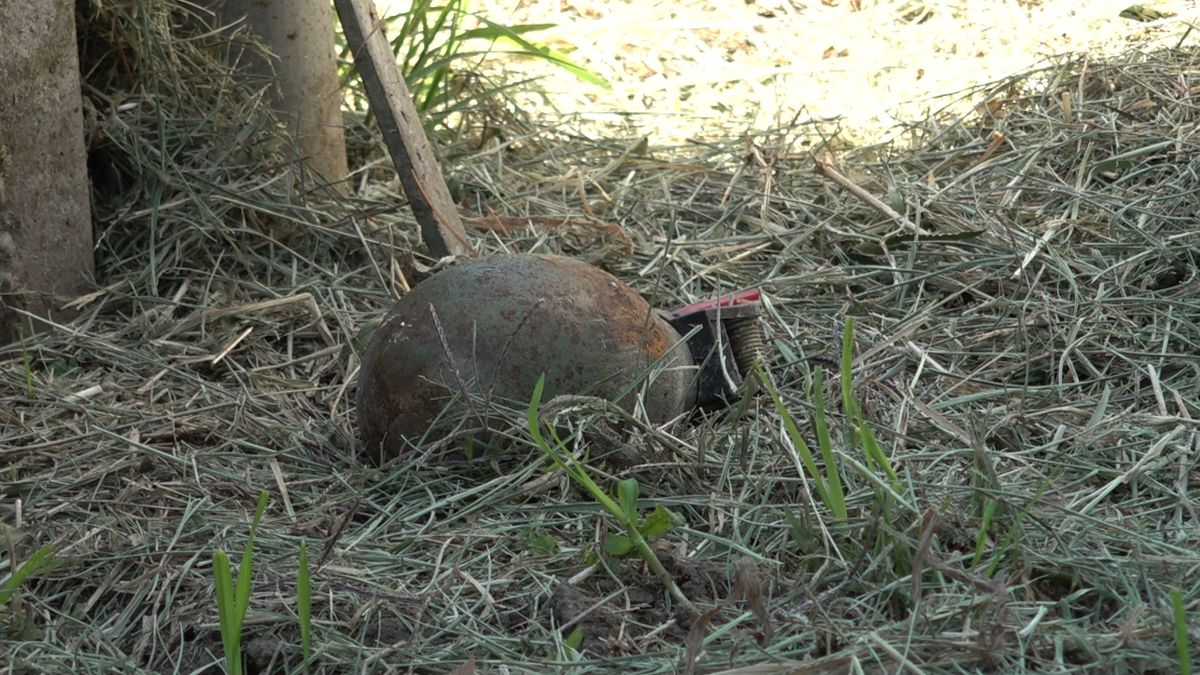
742, 297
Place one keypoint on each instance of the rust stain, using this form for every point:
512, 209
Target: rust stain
506, 321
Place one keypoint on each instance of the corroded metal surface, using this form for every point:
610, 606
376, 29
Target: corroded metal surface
726, 340
501, 322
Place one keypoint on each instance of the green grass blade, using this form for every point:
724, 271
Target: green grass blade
304, 604
876, 458
1182, 644
985, 524
552, 451
627, 496
579, 474
231, 636
825, 443
806, 457
40, 560
849, 402
491, 31
884, 487
245, 574
875, 452
575, 639
557, 58
1011, 543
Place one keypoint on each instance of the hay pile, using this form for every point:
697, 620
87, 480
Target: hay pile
1026, 347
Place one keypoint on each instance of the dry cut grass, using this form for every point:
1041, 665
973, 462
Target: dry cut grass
1024, 286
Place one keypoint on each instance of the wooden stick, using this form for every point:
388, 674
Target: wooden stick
441, 227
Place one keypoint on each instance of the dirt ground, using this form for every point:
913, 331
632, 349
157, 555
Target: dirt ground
683, 70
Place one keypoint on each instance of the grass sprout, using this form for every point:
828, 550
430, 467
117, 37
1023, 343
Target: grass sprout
42, 560
232, 602
304, 604
1183, 644
624, 509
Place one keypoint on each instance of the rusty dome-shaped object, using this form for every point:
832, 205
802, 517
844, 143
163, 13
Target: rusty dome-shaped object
488, 328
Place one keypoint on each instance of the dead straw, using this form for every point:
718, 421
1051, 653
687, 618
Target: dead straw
1039, 318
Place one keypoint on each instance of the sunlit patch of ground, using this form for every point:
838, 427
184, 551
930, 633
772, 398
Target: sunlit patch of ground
716, 67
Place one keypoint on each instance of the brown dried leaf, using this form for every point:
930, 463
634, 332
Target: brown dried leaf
747, 586
695, 639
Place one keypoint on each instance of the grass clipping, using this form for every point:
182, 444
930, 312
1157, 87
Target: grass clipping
1024, 292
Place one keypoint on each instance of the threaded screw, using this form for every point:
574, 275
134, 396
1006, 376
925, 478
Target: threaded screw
748, 342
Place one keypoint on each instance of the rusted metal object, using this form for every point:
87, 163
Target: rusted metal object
726, 341
478, 335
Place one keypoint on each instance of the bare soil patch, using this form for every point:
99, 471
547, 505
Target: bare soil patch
707, 69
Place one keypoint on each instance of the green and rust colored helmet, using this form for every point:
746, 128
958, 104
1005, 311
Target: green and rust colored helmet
486, 329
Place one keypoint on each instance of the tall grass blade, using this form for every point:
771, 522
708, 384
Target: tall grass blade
1182, 644
825, 443
244, 572
514, 34
227, 614
860, 430
849, 402
232, 602
835, 506
985, 524
304, 604
428, 39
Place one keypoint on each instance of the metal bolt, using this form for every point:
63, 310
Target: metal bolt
748, 342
